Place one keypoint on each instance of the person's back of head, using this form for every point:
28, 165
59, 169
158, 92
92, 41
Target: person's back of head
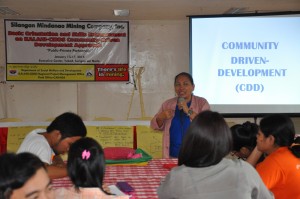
69, 124
244, 136
16, 170
281, 127
207, 141
86, 163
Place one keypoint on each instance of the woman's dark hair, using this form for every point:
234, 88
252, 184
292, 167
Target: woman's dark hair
184, 74
297, 140
16, 170
281, 127
86, 163
244, 135
207, 141
69, 124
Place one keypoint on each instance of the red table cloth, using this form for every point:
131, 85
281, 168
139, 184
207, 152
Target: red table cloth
144, 179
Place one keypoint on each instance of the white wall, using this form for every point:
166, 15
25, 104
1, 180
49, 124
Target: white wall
161, 47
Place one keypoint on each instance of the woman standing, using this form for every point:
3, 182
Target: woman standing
176, 114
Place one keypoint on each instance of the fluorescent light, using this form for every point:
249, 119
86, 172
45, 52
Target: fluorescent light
8, 11
235, 10
121, 13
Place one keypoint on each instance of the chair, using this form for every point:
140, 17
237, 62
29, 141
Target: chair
10, 120
103, 119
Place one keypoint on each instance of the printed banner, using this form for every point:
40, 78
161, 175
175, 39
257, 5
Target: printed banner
66, 50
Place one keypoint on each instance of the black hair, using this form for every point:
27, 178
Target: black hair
207, 141
281, 127
86, 171
69, 125
244, 135
297, 140
16, 170
184, 74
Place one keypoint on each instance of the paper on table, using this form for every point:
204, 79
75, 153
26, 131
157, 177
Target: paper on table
115, 190
112, 136
149, 140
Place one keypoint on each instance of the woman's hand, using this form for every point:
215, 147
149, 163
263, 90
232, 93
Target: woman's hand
106, 188
254, 156
58, 161
165, 115
182, 105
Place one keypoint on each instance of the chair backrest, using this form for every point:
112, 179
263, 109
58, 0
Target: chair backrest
10, 120
103, 119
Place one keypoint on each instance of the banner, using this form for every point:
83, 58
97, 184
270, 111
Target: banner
39, 50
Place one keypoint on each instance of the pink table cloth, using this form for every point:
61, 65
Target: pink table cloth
144, 179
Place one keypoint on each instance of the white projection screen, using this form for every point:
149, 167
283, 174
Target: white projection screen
247, 64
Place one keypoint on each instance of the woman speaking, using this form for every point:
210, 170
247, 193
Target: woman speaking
176, 114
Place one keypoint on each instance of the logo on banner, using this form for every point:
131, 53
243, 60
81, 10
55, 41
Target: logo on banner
89, 73
13, 72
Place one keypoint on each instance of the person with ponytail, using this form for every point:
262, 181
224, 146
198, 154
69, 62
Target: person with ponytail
280, 170
244, 139
86, 168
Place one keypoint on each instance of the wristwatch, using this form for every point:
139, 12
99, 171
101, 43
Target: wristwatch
190, 112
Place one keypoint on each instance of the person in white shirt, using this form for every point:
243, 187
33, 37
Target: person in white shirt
48, 144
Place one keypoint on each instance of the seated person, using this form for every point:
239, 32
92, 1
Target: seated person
280, 170
55, 140
24, 176
86, 166
244, 139
202, 170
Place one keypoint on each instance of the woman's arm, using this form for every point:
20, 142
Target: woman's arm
165, 112
162, 116
254, 157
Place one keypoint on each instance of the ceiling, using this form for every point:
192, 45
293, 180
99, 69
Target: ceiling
139, 9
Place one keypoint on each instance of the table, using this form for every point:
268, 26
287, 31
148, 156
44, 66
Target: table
144, 179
